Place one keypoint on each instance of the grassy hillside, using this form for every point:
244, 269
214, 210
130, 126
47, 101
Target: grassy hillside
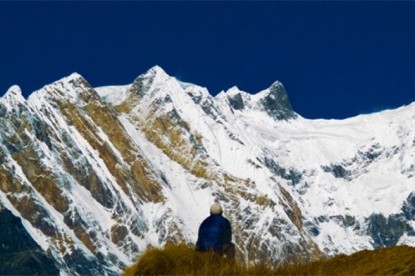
181, 260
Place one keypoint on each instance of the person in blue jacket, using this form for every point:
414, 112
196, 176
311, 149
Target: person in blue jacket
215, 233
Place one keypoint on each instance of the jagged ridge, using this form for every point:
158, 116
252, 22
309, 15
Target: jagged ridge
99, 174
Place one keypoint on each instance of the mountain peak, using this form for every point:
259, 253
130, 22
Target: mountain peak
277, 84
235, 99
157, 71
154, 77
68, 81
14, 90
233, 91
68, 87
14, 95
74, 77
274, 100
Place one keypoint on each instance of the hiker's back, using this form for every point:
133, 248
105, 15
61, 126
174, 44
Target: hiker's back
214, 232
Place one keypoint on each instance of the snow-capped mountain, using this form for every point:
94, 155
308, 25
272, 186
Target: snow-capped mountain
99, 174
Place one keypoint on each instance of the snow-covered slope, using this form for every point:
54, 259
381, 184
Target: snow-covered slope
99, 174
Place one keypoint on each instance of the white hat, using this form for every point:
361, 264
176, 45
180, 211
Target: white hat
216, 209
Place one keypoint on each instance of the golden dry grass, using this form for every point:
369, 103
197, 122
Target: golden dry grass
182, 260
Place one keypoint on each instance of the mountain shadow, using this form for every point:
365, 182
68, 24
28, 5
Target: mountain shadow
19, 253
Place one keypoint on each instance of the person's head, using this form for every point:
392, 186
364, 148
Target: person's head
216, 209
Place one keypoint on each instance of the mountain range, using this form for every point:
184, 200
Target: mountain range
92, 176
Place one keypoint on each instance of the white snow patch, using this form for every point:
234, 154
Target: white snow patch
113, 94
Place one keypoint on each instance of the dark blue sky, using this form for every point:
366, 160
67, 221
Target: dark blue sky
336, 59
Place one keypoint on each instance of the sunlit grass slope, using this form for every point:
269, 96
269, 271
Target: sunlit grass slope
181, 260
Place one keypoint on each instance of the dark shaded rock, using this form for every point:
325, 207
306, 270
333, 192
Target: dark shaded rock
163, 101
276, 228
13, 149
20, 254
195, 98
3, 111
372, 154
387, 231
408, 207
291, 174
410, 172
349, 221
236, 102
79, 264
277, 104
208, 106
140, 86
41, 132
311, 228
142, 83
338, 171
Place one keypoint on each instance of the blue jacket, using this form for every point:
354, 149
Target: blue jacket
214, 232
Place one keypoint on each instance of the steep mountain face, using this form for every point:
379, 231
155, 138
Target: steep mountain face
99, 174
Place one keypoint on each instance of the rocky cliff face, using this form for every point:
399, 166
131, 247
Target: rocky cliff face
99, 174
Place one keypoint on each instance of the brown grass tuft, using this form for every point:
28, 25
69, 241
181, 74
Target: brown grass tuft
182, 260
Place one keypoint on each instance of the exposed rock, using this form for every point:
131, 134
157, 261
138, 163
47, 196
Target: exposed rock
277, 104
236, 102
408, 207
387, 231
